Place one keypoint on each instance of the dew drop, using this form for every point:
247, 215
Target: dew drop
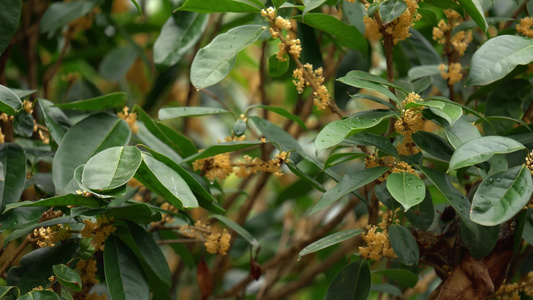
500, 162
498, 179
418, 187
491, 180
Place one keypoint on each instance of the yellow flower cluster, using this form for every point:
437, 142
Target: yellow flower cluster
453, 74
214, 242
88, 270
49, 236
529, 161
98, 231
399, 27
512, 291
28, 106
410, 123
130, 118
321, 93
371, 29
220, 165
525, 27
84, 193
373, 161
378, 244
286, 44
168, 218
403, 167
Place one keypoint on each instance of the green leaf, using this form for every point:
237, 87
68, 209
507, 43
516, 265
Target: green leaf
391, 10
310, 5
328, 241
36, 267
211, 6
369, 139
55, 120
66, 200
99, 103
111, 168
179, 34
60, 14
206, 200
348, 184
88, 137
67, 277
213, 62
353, 282
405, 278
112, 193
361, 80
139, 9
166, 182
10, 15
277, 68
13, 160
338, 158
482, 149
404, 244
386, 288
461, 132
151, 257
40, 295
479, 243
117, 62
447, 4
238, 229
190, 111
433, 144
221, 148
335, 132
10, 103
501, 196
345, 35
135, 212
449, 112
498, 57
423, 71
23, 124
406, 188
124, 276
475, 10
282, 112
6, 291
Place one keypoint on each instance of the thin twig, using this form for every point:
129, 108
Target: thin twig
11, 259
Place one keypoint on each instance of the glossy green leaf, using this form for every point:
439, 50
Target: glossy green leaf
335, 132
151, 257
277, 68
447, 4
406, 188
351, 283
238, 229
60, 14
498, 57
23, 124
481, 242
221, 148
211, 6
9, 101
6, 291
205, 199
40, 295
461, 132
367, 81
374, 99
13, 161
65, 200
404, 277
36, 267
166, 182
501, 196
124, 275
111, 193
391, 10
135, 212
213, 62
190, 111
482, 149
177, 142
369, 139
67, 277
88, 137
348, 184
111, 168
386, 288
10, 15
282, 112
404, 244
310, 5
179, 34
117, 99
328, 241
117, 62
55, 120
475, 10
449, 112
433, 144
423, 71
338, 158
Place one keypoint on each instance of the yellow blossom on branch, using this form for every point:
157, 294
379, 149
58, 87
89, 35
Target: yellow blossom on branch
378, 244
454, 73
130, 118
98, 231
525, 27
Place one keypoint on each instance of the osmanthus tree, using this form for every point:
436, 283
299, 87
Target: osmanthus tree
138, 140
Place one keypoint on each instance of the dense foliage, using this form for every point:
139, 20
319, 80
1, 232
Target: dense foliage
139, 138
